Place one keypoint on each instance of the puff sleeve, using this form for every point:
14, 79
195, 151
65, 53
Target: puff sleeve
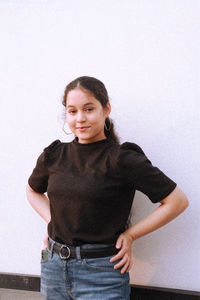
145, 177
38, 180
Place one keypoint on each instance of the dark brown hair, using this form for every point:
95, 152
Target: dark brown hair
98, 90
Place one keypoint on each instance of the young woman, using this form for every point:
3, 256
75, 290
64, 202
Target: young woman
91, 183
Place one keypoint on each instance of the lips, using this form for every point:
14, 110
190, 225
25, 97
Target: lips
82, 128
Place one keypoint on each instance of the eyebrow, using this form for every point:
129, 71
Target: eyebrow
88, 103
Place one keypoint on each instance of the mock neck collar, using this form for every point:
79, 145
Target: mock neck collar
98, 143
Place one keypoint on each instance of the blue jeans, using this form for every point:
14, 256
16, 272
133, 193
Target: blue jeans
82, 279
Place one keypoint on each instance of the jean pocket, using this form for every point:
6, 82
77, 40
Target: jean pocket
45, 255
100, 263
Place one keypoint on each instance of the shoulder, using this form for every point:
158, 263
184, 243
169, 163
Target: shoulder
133, 161
129, 147
132, 155
51, 149
52, 146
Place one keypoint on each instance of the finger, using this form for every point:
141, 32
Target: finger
128, 269
119, 242
122, 262
119, 255
125, 267
130, 265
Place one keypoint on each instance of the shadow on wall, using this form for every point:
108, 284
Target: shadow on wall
156, 253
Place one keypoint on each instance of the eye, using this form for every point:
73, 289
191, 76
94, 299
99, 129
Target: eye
71, 111
89, 109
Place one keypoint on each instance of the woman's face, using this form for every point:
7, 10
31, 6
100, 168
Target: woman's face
86, 116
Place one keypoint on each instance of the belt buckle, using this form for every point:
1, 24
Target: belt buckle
64, 256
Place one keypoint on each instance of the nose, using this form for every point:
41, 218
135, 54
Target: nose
80, 117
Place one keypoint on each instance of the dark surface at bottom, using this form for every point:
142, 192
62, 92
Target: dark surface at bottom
20, 283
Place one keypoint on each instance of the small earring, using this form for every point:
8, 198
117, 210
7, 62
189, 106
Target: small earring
110, 124
63, 128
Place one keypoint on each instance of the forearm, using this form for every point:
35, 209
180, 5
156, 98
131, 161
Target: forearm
170, 208
159, 217
40, 203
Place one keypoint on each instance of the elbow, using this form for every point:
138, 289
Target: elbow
177, 201
185, 203
182, 202
180, 206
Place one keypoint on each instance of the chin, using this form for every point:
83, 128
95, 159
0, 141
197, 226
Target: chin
82, 137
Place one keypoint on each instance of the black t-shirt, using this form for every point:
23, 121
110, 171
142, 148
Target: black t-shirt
91, 188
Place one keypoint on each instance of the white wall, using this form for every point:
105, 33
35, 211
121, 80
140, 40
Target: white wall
147, 54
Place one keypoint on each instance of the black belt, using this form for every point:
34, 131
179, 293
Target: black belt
66, 252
